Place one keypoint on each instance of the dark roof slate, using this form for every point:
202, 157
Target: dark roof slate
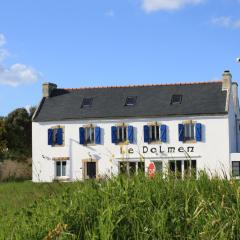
152, 101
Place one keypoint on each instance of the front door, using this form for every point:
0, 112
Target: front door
91, 169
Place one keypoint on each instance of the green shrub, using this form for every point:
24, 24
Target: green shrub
133, 208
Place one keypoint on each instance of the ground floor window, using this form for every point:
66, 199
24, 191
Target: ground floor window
236, 169
131, 168
61, 168
183, 168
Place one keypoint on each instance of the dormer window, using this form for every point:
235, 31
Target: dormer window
87, 102
176, 99
131, 101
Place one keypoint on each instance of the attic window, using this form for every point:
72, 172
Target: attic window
176, 99
131, 101
87, 102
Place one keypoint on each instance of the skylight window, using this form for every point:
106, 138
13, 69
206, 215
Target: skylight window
87, 102
176, 99
131, 101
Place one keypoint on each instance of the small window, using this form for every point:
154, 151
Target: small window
176, 99
131, 101
236, 169
122, 134
189, 131
87, 102
61, 168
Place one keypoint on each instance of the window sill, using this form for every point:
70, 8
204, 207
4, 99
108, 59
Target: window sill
63, 178
58, 145
89, 144
190, 141
123, 143
154, 142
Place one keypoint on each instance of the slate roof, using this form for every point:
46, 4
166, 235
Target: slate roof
152, 101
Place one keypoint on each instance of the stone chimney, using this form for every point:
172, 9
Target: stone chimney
235, 97
226, 81
47, 89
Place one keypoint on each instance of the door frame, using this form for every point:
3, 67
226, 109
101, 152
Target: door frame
84, 164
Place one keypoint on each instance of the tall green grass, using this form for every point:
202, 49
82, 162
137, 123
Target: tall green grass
133, 208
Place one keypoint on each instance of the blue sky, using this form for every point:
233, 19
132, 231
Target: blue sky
113, 42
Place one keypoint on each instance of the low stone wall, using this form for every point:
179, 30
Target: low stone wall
14, 170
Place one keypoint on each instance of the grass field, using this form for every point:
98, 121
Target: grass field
121, 208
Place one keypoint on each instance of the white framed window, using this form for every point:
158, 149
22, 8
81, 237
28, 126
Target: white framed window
122, 134
189, 131
61, 168
183, 168
131, 168
236, 169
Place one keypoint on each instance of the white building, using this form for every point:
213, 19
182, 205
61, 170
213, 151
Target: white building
93, 132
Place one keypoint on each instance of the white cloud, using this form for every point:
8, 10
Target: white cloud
226, 21
2, 40
3, 54
18, 74
167, 5
110, 13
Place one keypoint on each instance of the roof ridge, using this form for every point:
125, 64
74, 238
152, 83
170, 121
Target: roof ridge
143, 85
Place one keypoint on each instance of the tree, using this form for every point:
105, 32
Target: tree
18, 129
3, 134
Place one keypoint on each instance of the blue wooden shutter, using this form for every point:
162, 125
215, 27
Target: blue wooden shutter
59, 138
81, 135
50, 136
130, 134
97, 135
163, 131
181, 132
114, 134
198, 132
146, 133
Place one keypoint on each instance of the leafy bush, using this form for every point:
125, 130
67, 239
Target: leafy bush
133, 208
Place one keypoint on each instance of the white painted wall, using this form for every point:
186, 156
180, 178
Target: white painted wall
212, 154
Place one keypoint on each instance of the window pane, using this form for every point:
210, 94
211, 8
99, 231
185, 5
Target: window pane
132, 168
157, 132
153, 133
236, 169
64, 168
141, 166
87, 135
172, 166
120, 136
194, 168
187, 168
158, 166
92, 135
192, 131
186, 131
179, 169
123, 167
125, 134
54, 136
58, 169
